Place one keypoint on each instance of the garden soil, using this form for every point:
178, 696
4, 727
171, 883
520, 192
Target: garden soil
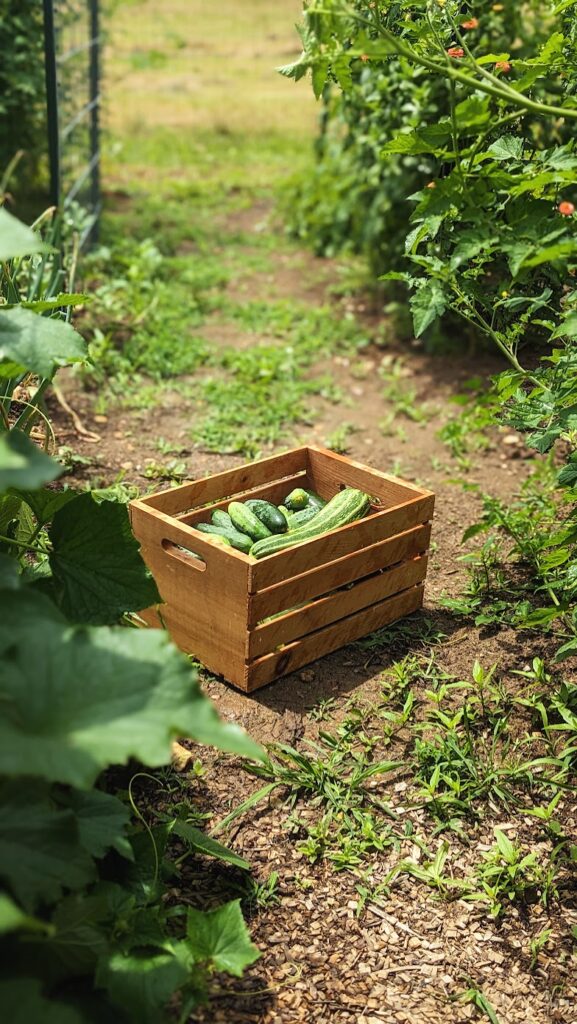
401, 962
189, 74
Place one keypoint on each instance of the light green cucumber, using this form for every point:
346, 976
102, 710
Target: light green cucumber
297, 500
221, 518
238, 540
246, 521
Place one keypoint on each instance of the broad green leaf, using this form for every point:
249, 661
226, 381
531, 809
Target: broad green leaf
101, 819
220, 938
201, 843
22, 1002
78, 699
45, 503
58, 302
16, 239
40, 850
568, 475
508, 147
98, 571
36, 343
23, 463
142, 982
427, 304
9, 574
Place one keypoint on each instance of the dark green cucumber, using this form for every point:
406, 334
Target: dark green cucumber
222, 518
268, 514
304, 516
346, 506
246, 521
315, 500
238, 540
297, 500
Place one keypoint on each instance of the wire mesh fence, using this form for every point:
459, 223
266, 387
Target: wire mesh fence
72, 54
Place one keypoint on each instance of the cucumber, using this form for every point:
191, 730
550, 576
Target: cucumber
344, 508
304, 516
222, 518
288, 515
315, 500
268, 514
238, 540
246, 521
300, 499
297, 500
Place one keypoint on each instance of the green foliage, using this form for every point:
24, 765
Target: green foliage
491, 236
22, 98
524, 574
86, 932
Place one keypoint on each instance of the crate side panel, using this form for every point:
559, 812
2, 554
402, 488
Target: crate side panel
335, 607
204, 617
232, 481
335, 574
330, 472
264, 670
338, 543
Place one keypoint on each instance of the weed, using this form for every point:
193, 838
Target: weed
339, 440
509, 875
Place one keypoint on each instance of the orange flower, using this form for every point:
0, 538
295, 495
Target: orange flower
566, 208
432, 184
456, 51
471, 23
504, 66
364, 57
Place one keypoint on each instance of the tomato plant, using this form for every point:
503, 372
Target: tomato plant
481, 109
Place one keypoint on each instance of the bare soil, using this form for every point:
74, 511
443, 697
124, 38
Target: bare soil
404, 960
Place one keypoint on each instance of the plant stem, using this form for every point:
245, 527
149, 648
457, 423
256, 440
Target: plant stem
26, 546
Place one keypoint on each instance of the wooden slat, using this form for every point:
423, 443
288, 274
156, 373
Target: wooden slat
205, 608
293, 561
335, 606
275, 492
301, 652
232, 481
330, 471
157, 526
335, 574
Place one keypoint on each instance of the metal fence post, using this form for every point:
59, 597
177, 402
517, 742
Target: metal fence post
52, 102
95, 112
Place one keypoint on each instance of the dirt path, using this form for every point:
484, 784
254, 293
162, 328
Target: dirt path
203, 134
403, 959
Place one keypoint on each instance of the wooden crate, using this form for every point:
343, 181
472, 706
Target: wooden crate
331, 590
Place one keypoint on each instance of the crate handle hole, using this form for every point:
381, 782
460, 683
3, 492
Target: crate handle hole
183, 554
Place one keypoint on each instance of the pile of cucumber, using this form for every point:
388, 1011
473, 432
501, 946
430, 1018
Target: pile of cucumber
259, 528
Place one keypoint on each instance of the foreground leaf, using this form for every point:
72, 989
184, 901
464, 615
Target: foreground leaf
221, 938
98, 570
22, 1002
36, 343
17, 239
40, 850
78, 699
24, 464
141, 983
